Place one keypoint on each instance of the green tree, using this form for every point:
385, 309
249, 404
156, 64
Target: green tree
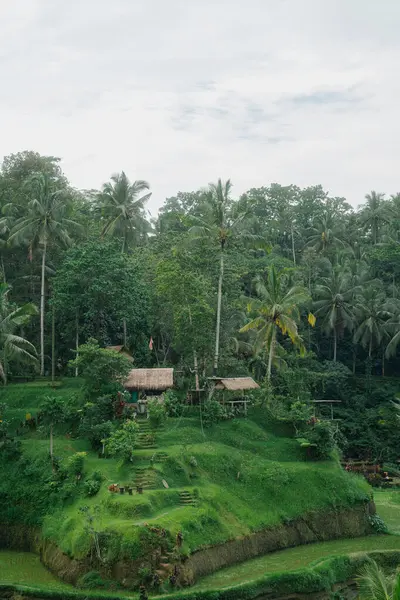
324, 235
45, 223
218, 223
12, 345
374, 214
122, 206
276, 309
103, 370
372, 311
52, 411
334, 305
114, 289
122, 441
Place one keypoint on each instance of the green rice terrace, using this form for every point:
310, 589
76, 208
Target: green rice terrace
193, 505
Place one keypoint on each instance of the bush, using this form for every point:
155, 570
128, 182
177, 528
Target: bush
378, 524
96, 413
213, 412
320, 436
91, 580
76, 463
100, 433
122, 441
157, 413
173, 405
93, 484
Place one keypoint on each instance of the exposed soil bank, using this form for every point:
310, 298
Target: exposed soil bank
314, 527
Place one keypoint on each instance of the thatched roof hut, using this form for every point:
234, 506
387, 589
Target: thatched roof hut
234, 384
121, 350
150, 380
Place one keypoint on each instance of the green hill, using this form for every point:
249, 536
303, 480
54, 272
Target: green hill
226, 481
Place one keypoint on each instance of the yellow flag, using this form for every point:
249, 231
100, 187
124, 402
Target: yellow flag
28, 416
311, 319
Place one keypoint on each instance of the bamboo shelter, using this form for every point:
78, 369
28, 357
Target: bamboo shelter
147, 384
237, 386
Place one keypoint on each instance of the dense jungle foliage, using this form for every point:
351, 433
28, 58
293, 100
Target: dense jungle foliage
294, 287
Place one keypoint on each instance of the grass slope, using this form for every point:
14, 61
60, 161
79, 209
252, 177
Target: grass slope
247, 477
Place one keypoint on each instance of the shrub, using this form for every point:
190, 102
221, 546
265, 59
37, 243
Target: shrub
91, 580
92, 485
99, 434
157, 413
213, 412
173, 405
122, 441
378, 524
320, 436
76, 463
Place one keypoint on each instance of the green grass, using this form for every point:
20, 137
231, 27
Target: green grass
388, 507
249, 476
26, 568
293, 559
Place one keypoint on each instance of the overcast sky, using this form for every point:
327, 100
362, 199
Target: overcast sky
181, 92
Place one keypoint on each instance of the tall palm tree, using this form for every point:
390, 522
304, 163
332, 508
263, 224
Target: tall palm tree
218, 224
324, 235
123, 207
372, 312
373, 584
45, 223
375, 212
334, 305
276, 309
13, 346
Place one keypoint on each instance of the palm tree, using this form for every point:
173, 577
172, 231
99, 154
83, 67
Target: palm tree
217, 224
122, 204
372, 311
276, 309
45, 223
373, 584
374, 214
13, 346
324, 235
334, 305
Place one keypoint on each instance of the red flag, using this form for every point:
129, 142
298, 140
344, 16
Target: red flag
151, 343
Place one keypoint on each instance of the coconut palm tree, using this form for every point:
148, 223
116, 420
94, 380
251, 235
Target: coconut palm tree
373, 584
13, 346
45, 223
334, 305
372, 311
275, 310
218, 224
324, 235
375, 213
122, 206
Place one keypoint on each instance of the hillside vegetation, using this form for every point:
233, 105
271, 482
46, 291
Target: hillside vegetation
223, 482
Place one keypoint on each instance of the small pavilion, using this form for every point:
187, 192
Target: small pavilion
236, 385
145, 384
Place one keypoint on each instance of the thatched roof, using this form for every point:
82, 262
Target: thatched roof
235, 383
150, 379
121, 350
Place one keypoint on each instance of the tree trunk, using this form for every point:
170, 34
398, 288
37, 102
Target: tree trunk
370, 348
271, 355
293, 249
125, 336
76, 341
53, 344
354, 363
334, 344
196, 370
383, 363
51, 441
219, 302
3, 269
42, 291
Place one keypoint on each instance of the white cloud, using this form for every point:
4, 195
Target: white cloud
181, 93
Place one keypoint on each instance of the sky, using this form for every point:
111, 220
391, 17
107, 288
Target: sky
181, 92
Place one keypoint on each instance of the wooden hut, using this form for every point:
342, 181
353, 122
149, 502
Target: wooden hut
147, 384
237, 385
